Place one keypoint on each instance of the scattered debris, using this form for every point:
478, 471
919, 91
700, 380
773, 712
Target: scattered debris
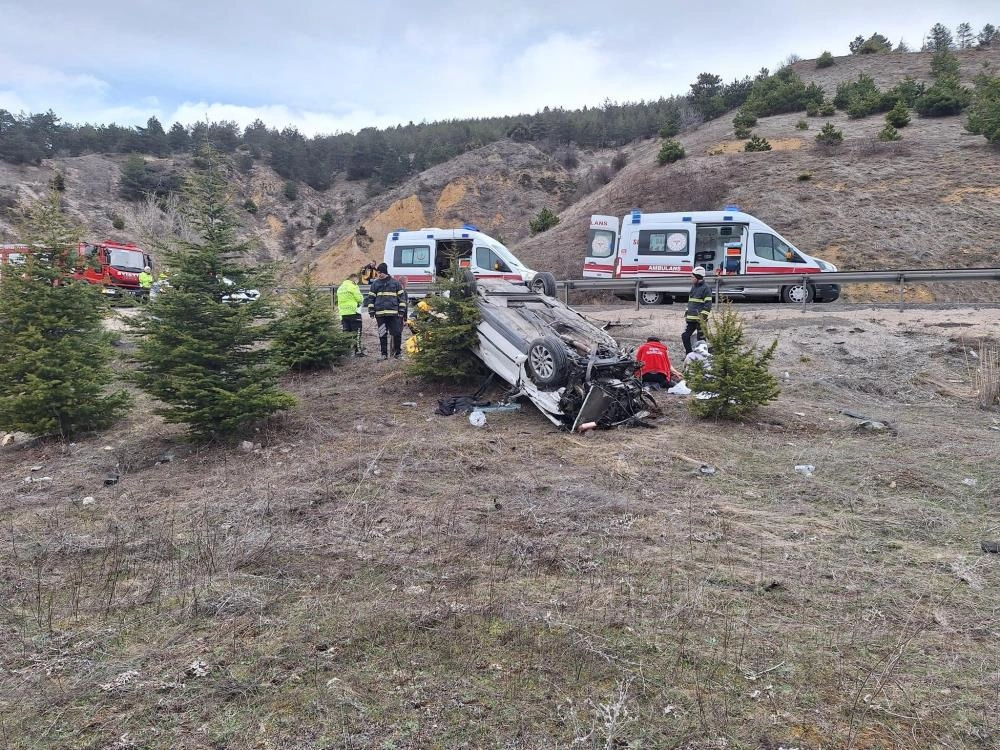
873, 425
108, 448
409, 403
477, 418
587, 427
970, 482
88, 500
198, 668
707, 469
111, 479
166, 458
992, 547
36, 468
805, 470
120, 681
246, 446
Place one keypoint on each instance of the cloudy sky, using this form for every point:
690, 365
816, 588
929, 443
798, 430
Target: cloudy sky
335, 66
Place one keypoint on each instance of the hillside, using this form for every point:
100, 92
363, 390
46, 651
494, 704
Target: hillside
924, 201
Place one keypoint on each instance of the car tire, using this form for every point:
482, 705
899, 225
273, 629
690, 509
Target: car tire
544, 283
547, 364
794, 294
651, 298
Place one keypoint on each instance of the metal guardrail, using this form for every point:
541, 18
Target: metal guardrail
899, 277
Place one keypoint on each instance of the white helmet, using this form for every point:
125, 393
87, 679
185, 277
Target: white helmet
699, 271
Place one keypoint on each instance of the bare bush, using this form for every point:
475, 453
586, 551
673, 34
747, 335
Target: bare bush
986, 376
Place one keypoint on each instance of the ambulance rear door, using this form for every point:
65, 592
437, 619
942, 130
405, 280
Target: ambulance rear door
602, 248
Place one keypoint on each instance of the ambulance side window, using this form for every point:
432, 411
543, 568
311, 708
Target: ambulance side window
411, 256
769, 247
486, 258
663, 242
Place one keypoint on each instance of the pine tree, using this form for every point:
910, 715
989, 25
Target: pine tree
446, 333
55, 355
898, 116
964, 35
308, 336
738, 380
757, 143
202, 355
545, 220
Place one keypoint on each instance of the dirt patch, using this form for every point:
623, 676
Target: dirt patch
453, 193
777, 144
959, 195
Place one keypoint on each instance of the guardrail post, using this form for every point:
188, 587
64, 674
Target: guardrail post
902, 278
718, 291
566, 293
805, 292
637, 283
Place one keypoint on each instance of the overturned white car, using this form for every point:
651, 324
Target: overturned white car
573, 371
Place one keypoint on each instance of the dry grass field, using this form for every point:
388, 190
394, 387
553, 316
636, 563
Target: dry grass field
370, 575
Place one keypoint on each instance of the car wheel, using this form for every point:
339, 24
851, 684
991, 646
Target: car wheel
797, 294
547, 363
544, 283
650, 298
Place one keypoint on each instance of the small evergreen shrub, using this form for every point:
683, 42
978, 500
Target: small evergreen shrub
545, 220
802, 125
671, 127
445, 329
829, 135
942, 99
670, 151
250, 206
118, 222
325, 222
827, 109
742, 132
812, 110
825, 60
203, 357
984, 111
898, 117
889, 133
291, 190
619, 161
738, 380
309, 336
744, 119
55, 356
58, 182
805, 176
757, 143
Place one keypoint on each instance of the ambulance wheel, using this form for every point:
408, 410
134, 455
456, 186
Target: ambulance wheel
547, 363
651, 298
469, 284
544, 283
797, 294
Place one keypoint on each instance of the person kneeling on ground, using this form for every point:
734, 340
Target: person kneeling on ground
656, 370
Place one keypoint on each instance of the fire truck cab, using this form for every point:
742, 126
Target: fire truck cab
116, 265
667, 246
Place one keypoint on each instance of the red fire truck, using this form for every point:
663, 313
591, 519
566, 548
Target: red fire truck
114, 265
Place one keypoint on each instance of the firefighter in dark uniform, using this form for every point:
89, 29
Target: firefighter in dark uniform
698, 307
387, 306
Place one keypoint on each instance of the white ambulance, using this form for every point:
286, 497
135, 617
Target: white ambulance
668, 246
425, 255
